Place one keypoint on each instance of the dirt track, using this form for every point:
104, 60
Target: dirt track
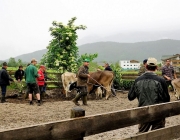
18, 113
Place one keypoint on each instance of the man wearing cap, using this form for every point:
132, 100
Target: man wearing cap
4, 81
82, 77
41, 80
143, 67
30, 75
150, 89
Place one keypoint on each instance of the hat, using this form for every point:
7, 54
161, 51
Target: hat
42, 66
144, 61
86, 60
4, 64
152, 61
33, 60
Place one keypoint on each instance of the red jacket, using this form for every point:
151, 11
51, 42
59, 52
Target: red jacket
40, 79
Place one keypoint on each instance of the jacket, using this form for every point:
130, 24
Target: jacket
31, 74
168, 71
149, 89
108, 68
40, 79
19, 74
4, 77
82, 76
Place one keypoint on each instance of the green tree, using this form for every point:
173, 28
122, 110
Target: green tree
62, 51
117, 75
19, 62
12, 62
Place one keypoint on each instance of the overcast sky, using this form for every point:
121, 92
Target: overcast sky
24, 24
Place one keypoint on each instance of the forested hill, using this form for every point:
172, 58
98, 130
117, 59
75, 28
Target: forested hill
113, 51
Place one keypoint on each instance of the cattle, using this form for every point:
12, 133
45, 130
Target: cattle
101, 78
98, 93
67, 79
176, 86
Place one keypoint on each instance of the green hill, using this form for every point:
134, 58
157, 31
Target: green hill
113, 51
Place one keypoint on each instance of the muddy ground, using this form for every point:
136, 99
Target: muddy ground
18, 113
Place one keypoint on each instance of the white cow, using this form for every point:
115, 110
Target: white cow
67, 79
176, 86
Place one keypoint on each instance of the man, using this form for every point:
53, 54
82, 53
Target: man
82, 77
108, 68
143, 67
168, 73
19, 76
4, 81
41, 80
150, 89
30, 76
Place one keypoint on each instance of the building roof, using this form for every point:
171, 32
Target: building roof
164, 57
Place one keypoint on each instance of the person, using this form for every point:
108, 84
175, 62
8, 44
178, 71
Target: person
142, 69
45, 84
108, 68
82, 77
30, 76
41, 80
19, 76
150, 89
4, 81
19, 73
168, 73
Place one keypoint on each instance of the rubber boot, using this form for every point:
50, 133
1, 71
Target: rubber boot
3, 100
84, 100
76, 99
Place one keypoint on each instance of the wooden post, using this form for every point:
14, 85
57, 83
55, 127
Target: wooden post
77, 112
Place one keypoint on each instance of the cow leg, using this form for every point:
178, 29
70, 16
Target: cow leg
108, 93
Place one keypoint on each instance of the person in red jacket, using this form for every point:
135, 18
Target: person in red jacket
41, 80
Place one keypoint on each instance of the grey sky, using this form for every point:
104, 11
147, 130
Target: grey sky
24, 24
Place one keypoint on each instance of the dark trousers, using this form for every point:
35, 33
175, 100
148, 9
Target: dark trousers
3, 90
155, 125
170, 84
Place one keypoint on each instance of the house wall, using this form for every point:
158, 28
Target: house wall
126, 64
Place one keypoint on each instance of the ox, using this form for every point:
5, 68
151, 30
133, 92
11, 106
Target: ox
101, 78
176, 86
98, 78
67, 79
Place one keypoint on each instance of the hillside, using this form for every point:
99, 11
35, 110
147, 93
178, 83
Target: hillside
113, 51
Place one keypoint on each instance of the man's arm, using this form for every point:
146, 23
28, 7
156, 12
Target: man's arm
166, 97
82, 74
132, 93
164, 74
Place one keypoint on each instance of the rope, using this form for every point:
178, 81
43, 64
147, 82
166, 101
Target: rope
102, 86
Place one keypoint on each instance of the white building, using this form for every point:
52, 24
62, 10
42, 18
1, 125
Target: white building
129, 64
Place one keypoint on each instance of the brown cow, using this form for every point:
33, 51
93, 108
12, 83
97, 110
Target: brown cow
176, 86
101, 78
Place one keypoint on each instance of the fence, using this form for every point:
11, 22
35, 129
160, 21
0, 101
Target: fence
78, 128
55, 84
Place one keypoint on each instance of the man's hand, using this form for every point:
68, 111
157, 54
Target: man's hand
168, 78
88, 75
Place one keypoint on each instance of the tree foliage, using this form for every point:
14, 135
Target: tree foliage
62, 51
117, 74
